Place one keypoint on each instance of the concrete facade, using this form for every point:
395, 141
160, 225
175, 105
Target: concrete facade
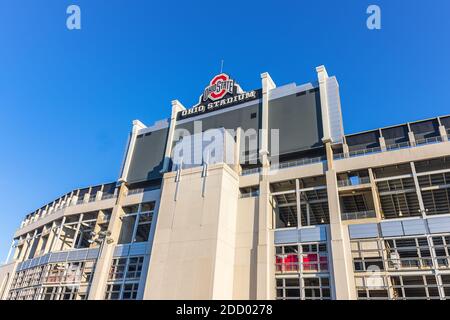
361, 216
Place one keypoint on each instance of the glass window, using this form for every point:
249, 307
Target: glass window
126, 232
117, 270
143, 229
130, 291
134, 267
112, 292
131, 209
148, 206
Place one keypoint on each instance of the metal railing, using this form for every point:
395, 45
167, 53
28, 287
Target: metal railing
297, 163
429, 140
249, 195
358, 215
247, 172
140, 190
400, 145
106, 196
391, 147
357, 153
135, 191
410, 263
348, 182
286, 164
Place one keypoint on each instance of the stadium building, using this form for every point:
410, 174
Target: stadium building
285, 206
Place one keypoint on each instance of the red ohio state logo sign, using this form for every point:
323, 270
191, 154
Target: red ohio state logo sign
219, 86
222, 92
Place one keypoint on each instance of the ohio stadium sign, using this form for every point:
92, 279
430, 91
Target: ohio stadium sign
221, 92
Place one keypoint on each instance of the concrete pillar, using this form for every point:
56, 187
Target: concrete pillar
267, 85
58, 235
137, 125
443, 133
99, 195
237, 151
298, 201
265, 253
376, 199
412, 138
345, 150
106, 252
341, 258
176, 107
51, 237
322, 76
416, 183
382, 143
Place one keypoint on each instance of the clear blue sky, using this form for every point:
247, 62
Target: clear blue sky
67, 98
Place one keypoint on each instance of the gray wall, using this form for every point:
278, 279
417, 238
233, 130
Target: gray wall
228, 120
148, 156
299, 119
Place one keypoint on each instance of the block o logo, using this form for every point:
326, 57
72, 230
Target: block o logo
219, 86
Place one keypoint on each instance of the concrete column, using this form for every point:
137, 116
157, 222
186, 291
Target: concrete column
322, 76
39, 245
51, 237
86, 197
412, 138
100, 275
176, 107
265, 254
345, 150
58, 234
298, 201
237, 151
376, 199
137, 125
416, 183
30, 245
443, 133
382, 144
267, 85
99, 195
341, 258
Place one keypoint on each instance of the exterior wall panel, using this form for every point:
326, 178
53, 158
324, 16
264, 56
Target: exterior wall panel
298, 118
148, 156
